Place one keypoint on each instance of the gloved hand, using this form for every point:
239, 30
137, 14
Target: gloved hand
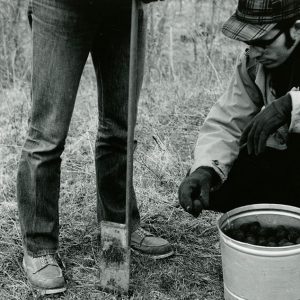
194, 190
265, 123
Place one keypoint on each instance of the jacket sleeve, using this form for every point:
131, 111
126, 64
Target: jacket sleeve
295, 118
218, 140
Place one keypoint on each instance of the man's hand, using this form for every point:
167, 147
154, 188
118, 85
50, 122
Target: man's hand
194, 190
265, 123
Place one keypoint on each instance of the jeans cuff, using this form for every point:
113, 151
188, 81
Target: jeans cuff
40, 252
135, 226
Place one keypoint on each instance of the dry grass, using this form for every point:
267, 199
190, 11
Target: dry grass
170, 113
162, 157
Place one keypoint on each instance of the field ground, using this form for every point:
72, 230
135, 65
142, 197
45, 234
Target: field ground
170, 112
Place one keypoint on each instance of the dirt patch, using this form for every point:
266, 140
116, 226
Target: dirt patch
114, 252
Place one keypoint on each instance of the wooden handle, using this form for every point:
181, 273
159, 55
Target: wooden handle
132, 102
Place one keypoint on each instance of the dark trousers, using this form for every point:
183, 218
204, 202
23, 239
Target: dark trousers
271, 177
64, 33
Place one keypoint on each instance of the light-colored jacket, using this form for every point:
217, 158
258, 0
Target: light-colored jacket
249, 91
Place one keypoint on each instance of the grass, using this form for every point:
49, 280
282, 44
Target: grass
161, 161
170, 113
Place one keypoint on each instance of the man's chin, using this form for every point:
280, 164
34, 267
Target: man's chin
268, 64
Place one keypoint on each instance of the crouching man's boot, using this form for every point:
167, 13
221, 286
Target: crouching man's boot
44, 274
144, 242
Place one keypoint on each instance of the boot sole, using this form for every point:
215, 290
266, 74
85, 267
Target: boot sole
44, 292
154, 256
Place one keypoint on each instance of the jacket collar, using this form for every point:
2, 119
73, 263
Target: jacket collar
257, 72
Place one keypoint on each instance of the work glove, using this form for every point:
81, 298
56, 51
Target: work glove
265, 123
194, 190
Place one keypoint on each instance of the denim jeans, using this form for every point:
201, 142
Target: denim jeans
271, 177
64, 33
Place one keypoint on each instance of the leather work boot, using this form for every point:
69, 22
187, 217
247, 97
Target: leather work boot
44, 274
144, 242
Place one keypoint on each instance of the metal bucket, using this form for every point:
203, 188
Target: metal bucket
253, 272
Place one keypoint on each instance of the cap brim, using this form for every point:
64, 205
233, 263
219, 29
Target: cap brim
241, 31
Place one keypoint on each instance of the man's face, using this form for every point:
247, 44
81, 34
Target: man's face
274, 54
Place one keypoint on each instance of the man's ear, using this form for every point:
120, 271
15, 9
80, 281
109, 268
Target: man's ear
295, 30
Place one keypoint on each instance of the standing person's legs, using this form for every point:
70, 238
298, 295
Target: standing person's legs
111, 54
61, 43
111, 60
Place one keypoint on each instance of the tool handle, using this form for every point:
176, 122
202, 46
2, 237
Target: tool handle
132, 102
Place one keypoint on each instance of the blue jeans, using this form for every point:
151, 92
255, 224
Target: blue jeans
64, 33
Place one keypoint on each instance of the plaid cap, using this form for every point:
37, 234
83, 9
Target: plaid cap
254, 18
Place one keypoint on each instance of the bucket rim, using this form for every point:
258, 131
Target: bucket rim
257, 249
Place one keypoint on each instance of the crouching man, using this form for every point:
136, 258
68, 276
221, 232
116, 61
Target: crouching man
248, 149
